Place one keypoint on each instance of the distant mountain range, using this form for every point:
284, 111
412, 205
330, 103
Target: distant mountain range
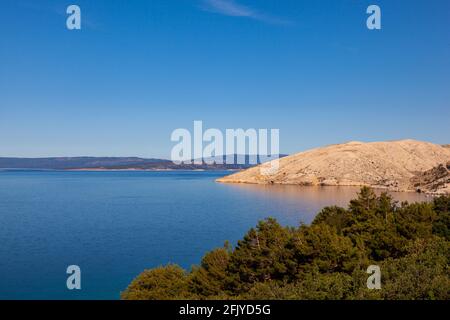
73, 162
125, 163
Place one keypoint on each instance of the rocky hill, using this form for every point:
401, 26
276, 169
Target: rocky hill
395, 165
436, 180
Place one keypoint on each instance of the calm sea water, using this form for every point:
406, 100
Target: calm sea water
116, 224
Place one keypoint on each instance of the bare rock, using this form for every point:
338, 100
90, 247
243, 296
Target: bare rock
390, 165
435, 180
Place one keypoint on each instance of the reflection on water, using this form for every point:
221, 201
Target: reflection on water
308, 197
337, 195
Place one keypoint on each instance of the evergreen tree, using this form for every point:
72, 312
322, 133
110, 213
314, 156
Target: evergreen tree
163, 283
441, 225
259, 256
326, 260
210, 278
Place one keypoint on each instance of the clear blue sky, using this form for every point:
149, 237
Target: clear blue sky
140, 69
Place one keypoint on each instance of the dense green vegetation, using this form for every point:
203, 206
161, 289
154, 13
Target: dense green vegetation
326, 260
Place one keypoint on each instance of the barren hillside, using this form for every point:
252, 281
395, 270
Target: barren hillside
436, 180
391, 165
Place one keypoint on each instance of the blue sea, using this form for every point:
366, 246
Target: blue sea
116, 224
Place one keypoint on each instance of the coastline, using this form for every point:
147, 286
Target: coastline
226, 180
139, 169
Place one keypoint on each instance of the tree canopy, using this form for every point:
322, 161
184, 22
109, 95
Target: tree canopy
325, 260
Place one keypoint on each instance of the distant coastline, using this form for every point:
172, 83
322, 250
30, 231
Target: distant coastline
113, 170
124, 164
144, 170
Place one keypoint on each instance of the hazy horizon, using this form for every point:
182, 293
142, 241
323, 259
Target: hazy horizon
168, 158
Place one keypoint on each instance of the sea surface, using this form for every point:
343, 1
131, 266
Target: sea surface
116, 224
